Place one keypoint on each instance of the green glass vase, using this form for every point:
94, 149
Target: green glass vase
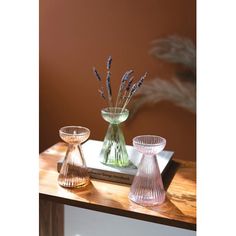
114, 151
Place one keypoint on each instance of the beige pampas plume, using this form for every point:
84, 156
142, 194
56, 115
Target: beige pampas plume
179, 91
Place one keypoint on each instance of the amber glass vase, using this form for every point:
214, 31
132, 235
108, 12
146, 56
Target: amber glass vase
74, 172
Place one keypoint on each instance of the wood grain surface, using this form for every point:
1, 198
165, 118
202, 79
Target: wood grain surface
51, 218
178, 210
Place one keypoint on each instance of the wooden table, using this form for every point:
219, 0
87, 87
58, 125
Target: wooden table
179, 209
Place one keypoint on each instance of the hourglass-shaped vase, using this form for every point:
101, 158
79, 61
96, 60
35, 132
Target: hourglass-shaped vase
74, 172
114, 151
147, 187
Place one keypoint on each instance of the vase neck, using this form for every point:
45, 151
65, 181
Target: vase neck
72, 146
149, 163
111, 123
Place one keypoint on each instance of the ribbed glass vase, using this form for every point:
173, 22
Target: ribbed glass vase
147, 187
74, 172
114, 151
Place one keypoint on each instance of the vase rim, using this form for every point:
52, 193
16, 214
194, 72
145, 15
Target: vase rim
86, 130
162, 140
116, 110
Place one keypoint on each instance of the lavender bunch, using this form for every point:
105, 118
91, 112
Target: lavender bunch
126, 89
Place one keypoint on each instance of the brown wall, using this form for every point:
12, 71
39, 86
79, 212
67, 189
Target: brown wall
76, 35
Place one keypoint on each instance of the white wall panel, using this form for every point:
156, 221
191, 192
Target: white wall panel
83, 222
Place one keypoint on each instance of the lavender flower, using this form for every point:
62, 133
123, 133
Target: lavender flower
133, 89
122, 86
102, 94
109, 60
96, 74
137, 85
140, 82
127, 89
129, 84
126, 75
108, 83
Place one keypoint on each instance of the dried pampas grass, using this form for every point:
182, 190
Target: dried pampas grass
176, 50
179, 91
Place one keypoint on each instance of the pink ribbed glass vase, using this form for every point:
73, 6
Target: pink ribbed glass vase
147, 187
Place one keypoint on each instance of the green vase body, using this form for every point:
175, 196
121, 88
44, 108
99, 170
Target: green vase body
114, 151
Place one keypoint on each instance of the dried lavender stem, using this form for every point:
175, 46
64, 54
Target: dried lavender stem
109, 61
127, 89
109, 92
102, 94
108, 82
133, 90
122, 86
134, 87
101, 90
119, 92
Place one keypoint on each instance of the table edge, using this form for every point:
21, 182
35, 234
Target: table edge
120, 212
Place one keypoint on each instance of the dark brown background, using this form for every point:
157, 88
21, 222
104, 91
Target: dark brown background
76, 35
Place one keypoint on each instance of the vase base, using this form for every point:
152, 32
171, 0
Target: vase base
150, 202
73, 182
128, 164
